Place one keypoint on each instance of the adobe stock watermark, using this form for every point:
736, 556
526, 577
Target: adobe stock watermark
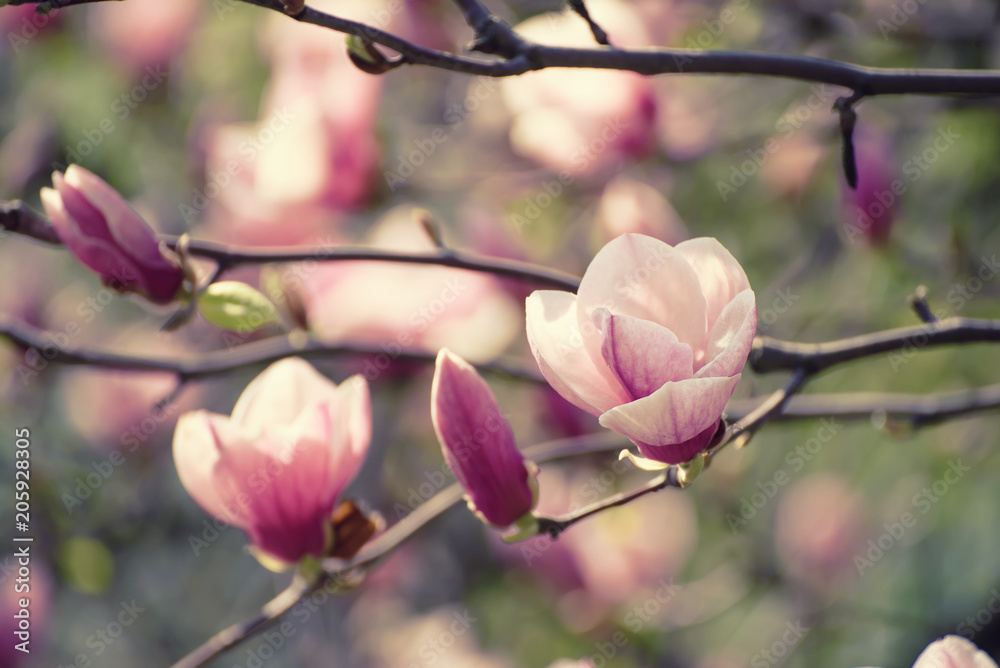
455, 115
582, 157
433, 649
901, 13
958, 296
795, 461
783, 300
132, 438
274, 639
37, 359
775, 654
979, 620
258, 482
121, 109
924, 501
712, 31
30, 27
820, 97
914, 168
249, 148
100, 640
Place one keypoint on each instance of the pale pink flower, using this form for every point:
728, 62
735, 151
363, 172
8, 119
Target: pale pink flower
478, 443
953, 652
653, 343
277, 466
106, 234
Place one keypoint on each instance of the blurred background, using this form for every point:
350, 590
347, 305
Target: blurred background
239, 125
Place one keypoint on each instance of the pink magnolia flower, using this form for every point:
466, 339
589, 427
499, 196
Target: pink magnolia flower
953, 652
107, 235
276, 466
478, 443
653, 343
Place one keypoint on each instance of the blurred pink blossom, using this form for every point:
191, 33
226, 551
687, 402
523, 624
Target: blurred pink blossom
653, 342
818, 527
612, 558
870, 208
629, 205
407, 306
583, 121
107, 235
311, 155
277, 466
142, 33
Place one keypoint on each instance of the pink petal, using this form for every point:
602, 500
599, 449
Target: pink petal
196, 455
285, 500
678, 453
674, 413
125, 226
721, 276
645, 278
732, 336
643, 355
953, 652
350, 432
556, 343
280, 394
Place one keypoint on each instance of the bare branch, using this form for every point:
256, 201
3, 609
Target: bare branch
914, 410
194, 367
770, 355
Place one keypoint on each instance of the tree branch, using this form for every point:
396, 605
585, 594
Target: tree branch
865, 81
769, 355
194, 367
915, 410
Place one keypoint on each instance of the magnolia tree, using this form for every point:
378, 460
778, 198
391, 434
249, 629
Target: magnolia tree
327, 289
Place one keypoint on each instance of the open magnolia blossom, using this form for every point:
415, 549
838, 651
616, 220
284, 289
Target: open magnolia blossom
277, 465
653, 343
100, 228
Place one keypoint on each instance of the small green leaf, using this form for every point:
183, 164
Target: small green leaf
236, 307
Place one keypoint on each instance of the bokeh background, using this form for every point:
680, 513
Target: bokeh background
238, 125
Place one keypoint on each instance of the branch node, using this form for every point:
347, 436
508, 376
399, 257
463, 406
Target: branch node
495, 37
845, 107
918, 302
599, 34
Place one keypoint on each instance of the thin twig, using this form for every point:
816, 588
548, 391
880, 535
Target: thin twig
233, 256
194, 367
914, 410
16, 217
